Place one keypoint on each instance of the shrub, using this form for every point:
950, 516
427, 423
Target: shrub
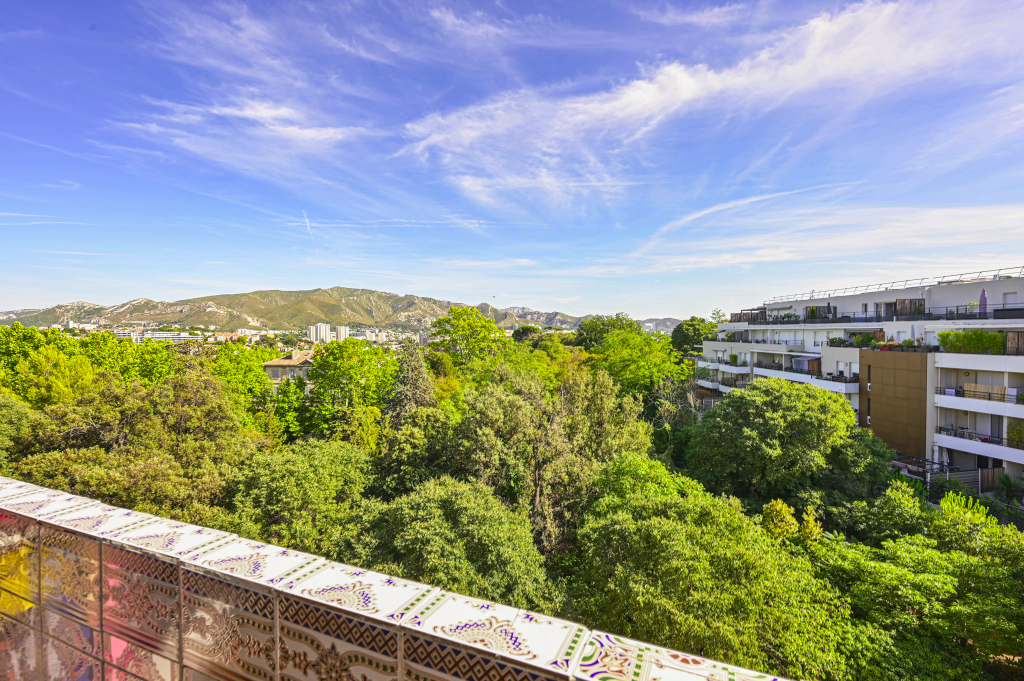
973, 339
734, 358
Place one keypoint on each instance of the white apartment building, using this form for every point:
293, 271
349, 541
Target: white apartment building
340, 333
956, 406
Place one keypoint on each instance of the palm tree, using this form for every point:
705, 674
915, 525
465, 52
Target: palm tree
1007, 489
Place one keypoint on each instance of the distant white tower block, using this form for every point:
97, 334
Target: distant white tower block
340, 332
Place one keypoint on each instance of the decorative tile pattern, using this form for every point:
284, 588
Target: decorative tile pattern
173, 539
78, 636
141, 599
607, 657
557, 644
317, 643
71, 575
19, 648
64, 663
139, 662
188, 603
227, 628
361, 592
19, 556
253, 561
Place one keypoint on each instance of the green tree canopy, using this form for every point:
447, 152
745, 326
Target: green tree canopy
526, 334
783, 440
458, 536
346, 374
689, 335
690, 571
466, 334
302, 496
413, 387
47, 376
638, 361
15, 418
591, 332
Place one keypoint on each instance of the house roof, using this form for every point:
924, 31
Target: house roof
297, 358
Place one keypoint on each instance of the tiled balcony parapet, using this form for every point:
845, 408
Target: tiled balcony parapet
90, 592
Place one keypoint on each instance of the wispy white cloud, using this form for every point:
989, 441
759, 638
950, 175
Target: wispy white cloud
557, 146
715, 15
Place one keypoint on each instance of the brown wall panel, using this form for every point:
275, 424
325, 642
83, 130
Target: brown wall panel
898, 398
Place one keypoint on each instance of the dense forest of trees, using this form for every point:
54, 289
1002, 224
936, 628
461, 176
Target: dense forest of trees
566, 473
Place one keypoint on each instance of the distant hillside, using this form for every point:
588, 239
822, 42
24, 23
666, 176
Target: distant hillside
286, 310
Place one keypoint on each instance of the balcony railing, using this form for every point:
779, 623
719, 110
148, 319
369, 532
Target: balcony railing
855, 378
968, 434
981, 395
91, 591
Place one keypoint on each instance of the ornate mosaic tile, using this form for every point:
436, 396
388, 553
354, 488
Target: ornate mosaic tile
39, 502
195, 675
19, 651
19, 556
74, 634
141, 599
172, 538
139, 662
100, 520
557, 644
115, 674
472, 622
607, 657
10, 488
363, 592
227, 630
64, 663
318, 643
253, 561
70, 579
431, 660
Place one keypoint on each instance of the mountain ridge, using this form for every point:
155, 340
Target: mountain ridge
287, 310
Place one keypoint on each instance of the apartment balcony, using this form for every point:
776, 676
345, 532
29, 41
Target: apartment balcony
976, 361
734, 367
980, 402
733, 383
835, 384
972, 442
709, 383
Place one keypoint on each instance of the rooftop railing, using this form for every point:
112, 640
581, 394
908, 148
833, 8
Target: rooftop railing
1004, 273
90, 591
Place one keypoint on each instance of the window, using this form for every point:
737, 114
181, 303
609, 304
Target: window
864, 308
291, 373
275, 373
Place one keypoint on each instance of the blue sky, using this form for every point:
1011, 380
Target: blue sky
661, 158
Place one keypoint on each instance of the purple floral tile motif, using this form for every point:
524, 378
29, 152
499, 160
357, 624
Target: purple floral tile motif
361, 592
607, 657
101, 520
171, 538
19, 556
557, 643
9, 487
43, 503
456, 637
254, 561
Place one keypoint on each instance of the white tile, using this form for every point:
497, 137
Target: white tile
555, 644
352, 589
254, 561
473, 623
172, 538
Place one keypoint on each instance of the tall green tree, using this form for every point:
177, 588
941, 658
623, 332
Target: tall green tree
347, 374
689, 335
303, 497
639, 361
458, 536
413, 386
47, 376
15, 420
783, 440
661, 560
466, 334
591, 332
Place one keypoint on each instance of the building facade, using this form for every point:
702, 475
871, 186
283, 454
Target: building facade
295, 365
957, 406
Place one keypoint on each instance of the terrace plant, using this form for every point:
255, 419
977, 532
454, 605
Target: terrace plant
972, 339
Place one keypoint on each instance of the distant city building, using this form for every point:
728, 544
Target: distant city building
340, 333
320, 333
381, 337
173, 336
